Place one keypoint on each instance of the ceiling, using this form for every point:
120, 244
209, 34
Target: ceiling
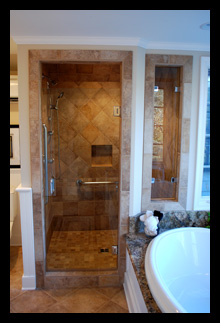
145, 26
167, 29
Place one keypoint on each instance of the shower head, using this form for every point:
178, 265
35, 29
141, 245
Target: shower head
55, 106
60, 95
52, 82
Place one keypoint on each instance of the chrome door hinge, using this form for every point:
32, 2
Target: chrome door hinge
114, 250
177, 89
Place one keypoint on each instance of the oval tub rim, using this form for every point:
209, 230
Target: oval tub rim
160, 290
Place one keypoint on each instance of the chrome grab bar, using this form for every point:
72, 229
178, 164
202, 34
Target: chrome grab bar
80, 182
45, 163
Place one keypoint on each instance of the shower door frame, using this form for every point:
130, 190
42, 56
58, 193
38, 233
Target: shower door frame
185, 62
85, 195
36, 57
167, 167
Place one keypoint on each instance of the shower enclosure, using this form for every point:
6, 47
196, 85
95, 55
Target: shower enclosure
81, 164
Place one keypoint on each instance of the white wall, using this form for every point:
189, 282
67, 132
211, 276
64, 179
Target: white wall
137, 130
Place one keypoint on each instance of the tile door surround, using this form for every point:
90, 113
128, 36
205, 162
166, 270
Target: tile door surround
185, 62
36, 57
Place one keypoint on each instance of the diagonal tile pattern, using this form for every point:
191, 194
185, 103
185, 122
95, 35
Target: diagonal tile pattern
68, 300
85, 119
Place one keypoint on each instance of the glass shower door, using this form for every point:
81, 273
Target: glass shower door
82, 217
166, 135
98, 209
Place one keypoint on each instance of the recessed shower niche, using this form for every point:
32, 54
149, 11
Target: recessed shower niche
101, 155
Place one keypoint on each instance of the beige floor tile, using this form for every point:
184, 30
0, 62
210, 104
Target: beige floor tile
68, 300
59, 294
84, 300
120, 299
14, 292
111, 307
109, 291
57, 308
32, 302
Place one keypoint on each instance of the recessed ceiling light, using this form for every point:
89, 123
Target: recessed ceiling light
205, 26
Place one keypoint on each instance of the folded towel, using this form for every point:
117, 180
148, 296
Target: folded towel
146, 215
150, 223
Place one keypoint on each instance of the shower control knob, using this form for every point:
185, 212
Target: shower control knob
50, 161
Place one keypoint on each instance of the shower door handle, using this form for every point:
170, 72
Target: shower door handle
45, 163
80, 182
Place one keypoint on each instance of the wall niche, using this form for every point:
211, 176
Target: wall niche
101, 155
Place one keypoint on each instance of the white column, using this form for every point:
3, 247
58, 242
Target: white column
27, 231
137, 130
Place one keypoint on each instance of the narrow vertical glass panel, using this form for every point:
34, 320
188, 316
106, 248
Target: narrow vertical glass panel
166, 134
206, 165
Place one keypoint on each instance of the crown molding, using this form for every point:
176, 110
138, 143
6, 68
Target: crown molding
114, 41
178, 46
76, 40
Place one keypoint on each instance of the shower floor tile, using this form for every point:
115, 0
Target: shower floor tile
76, 250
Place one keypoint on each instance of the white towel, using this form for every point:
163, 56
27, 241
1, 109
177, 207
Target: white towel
151, 226
150, 223
146, 215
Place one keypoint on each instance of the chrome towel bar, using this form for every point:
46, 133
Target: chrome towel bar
80, 182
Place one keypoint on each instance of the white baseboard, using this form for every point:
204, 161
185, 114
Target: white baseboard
28, 282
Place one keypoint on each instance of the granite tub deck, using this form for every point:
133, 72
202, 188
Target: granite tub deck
137, 243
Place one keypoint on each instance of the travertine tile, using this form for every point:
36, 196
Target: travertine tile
84, 300
69, 250
62, 300
90, 110
57, 308
82, 109
120, 299
185, 63
111, 307
32, 302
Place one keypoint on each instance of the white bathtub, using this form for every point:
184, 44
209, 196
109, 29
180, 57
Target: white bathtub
177, 267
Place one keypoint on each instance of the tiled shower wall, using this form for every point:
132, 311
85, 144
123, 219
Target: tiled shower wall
86, 121
36, 58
